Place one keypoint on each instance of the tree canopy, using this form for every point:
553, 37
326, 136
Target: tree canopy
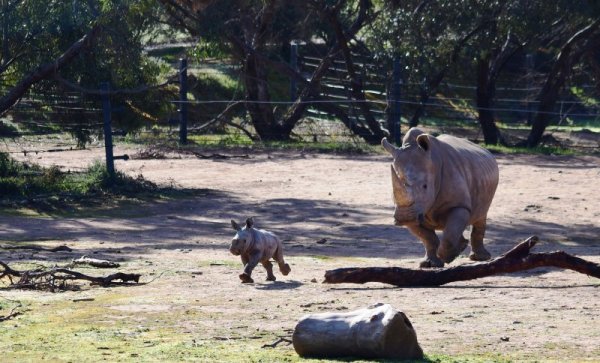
58, 46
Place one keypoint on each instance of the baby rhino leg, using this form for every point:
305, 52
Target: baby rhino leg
269, 267
253, 260
283, 267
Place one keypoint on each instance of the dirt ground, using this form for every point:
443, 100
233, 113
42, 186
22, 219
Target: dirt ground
196, 305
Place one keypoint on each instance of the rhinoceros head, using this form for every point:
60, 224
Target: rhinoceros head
413, 176
242, 238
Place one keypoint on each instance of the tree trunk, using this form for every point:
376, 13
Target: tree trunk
556, 79
485, 101
519, 258
356, 83
434, 82
378, 331
258, 101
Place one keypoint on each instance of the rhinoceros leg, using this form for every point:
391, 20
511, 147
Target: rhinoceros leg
269, 267
453, 242
430, 241
478, 251
283, 267
253, 260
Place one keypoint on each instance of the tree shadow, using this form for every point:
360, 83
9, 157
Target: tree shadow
308, 227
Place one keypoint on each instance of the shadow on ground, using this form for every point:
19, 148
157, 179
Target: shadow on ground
308, 227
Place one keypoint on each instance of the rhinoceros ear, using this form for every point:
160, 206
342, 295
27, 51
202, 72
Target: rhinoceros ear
249, 222
388, 147
235, 225
424, 141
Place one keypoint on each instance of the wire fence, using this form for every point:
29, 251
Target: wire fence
74, 119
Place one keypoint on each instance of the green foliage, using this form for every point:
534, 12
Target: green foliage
585, 99
205, 50
20, 180
37, 32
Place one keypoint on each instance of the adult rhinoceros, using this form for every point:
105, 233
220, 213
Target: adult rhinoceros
443, 183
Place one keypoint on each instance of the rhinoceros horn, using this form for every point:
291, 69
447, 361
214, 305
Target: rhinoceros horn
401, 196
389, 147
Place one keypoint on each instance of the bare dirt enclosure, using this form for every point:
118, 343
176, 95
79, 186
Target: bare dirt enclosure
331, 211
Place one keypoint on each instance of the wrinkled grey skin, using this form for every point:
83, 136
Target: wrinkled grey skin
444, 183
254, 246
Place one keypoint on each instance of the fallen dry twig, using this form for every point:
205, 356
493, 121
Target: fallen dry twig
519, 258
13, 313
56, 278
277, 342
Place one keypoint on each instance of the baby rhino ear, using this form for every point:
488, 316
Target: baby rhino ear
235, 225
249, 222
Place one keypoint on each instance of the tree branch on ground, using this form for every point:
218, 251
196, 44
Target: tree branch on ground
56, 278
517, 259
13, 313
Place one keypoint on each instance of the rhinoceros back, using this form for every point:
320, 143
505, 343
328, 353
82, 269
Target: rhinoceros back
470, 175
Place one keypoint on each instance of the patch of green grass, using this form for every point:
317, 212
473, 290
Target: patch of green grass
543, 150
56, 328
24, 187
240, 140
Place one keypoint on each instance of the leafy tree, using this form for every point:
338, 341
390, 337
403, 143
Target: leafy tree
483, 36
576, 39
57, 46
256, 31
429, 38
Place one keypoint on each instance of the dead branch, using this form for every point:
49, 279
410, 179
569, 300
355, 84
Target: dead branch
517, 259
277, 342
57, 278
13, 313
62, 248
94, 262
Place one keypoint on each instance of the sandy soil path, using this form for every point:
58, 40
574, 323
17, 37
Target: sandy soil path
543, 314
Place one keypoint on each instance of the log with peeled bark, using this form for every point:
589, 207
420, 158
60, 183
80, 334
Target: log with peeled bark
379, 331
517, 259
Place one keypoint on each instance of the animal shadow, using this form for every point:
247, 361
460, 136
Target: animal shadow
279, 285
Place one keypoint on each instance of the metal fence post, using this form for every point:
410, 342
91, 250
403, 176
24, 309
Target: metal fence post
394, 103
108, 144
183, 116
294, 65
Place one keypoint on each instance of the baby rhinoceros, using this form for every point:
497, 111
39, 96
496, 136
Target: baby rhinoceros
257, 245
443, 183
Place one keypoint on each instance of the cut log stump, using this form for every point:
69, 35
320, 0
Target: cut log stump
378, 331
517, 259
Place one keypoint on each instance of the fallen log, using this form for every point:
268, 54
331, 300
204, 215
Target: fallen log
56, 278
378, 331
517, 259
